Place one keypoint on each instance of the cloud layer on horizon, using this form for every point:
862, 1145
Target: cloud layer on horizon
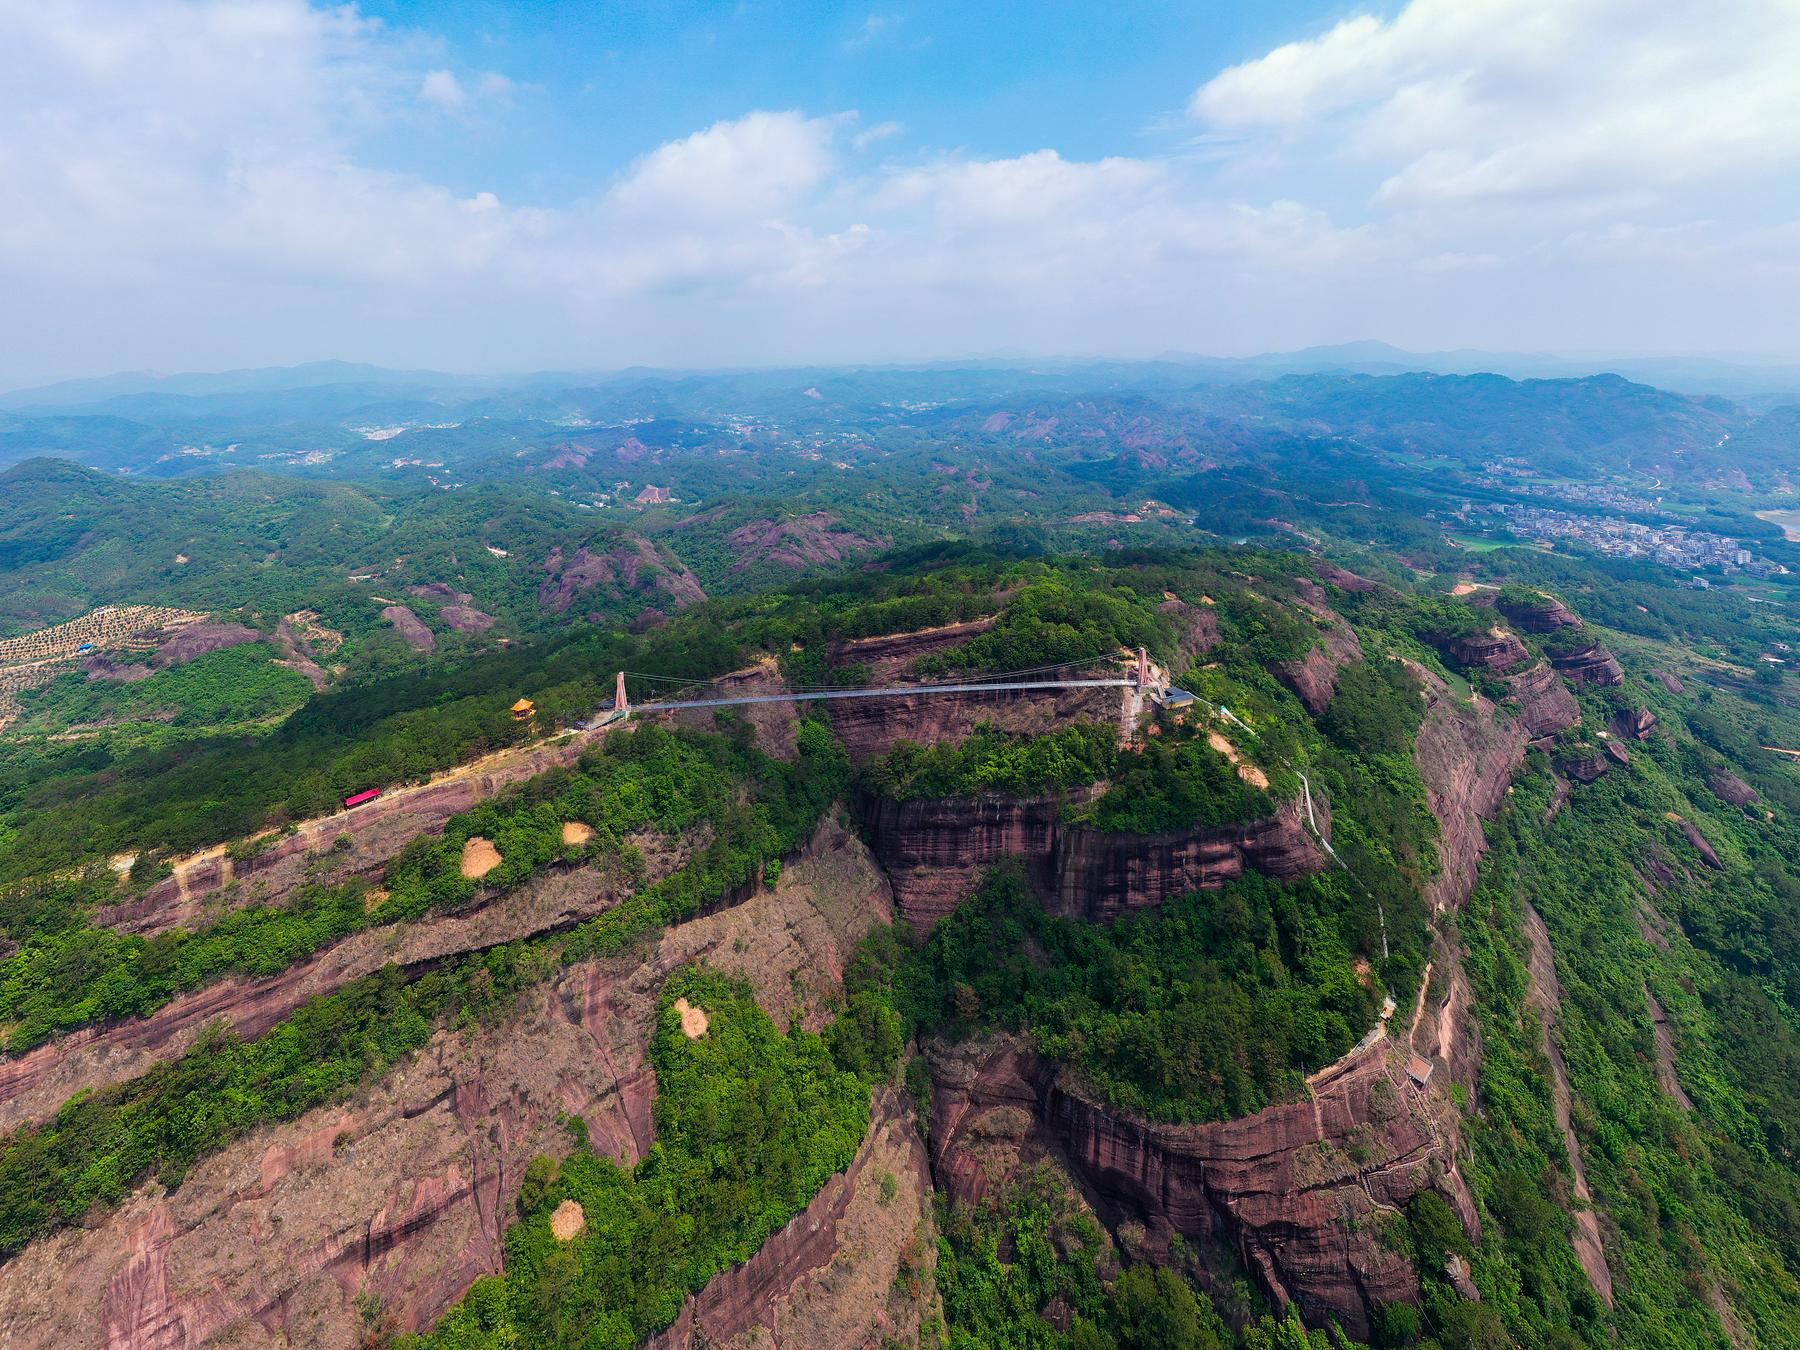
187, 185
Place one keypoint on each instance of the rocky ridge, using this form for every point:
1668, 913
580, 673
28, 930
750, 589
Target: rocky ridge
402, 1192
937, 849
1591, 664
268, 869
1278, 1188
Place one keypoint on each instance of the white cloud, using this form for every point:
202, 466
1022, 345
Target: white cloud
749, 167
187, 183
442, 88
881, 131
875, 29
1578, 102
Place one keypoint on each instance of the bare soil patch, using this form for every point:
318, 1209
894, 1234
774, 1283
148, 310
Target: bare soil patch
693, 1019
576, 832
1247, 771
479, 857
568, 1220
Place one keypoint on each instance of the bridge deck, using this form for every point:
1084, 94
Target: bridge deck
889, 691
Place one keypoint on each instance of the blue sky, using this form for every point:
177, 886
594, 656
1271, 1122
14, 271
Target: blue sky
482, 186
600, 84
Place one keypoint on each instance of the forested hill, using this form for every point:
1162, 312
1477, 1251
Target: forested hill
1428, 932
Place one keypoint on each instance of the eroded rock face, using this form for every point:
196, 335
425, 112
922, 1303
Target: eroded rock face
802, 541
1584, 766
1544, 997
105, 668
870, 727
1197, 627
1314, 676
35, 1084
403, 1191
937, 849
888, 655
1544, 614
460, 613
375, 833
1665, 1053
1730, 787
1634, 723
1282, 1189
196, 639
775, 725
1343, 578
1495, 649
1101, 876
1545, 704
1279, 1189
1691, 832
1592, 664
411, 627
794, 1287
1467, 755
631, 565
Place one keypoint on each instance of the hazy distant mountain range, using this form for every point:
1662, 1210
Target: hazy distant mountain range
1748, 379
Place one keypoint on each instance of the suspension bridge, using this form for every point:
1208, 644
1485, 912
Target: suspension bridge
1144, 679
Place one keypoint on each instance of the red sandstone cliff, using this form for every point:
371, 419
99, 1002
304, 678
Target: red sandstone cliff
793, 1285
34, 1084
1101, 876
869, 727
403, 1191
1467, 754
936, 850
1314, 676
198, 886
1281, 1189
1545, 704
1541, 614
888, 655
775, 725
1495, 649
1591, 664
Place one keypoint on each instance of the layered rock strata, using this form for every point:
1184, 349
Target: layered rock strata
1467, 754
1545, 704
1282, 1189
936, 850
354, 843
34, 1084
1496, 649
1592, 664
869, 727
1541, 614
402, 1192
1313, 677
783, 1288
